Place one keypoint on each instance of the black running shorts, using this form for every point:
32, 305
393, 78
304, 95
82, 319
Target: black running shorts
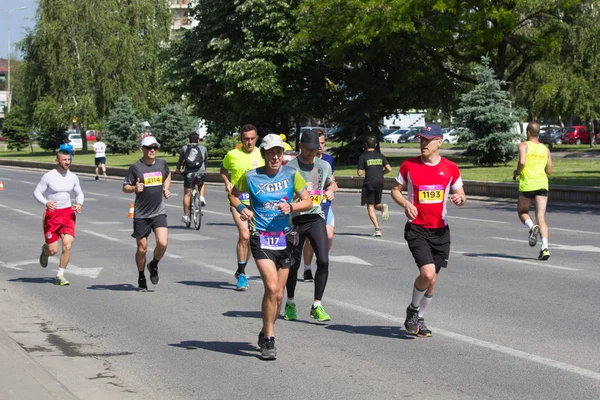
281, 258
188, 178
428, 246
99, 160
143, 226
371, 194
534, 193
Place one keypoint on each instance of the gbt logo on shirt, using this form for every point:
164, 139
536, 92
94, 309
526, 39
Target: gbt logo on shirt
273, 187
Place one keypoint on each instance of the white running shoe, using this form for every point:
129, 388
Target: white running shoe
203, 201
385, 213
185, 219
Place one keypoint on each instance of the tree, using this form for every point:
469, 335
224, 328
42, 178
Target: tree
122, 129
85, 54
15, 129
172, 126
489, 119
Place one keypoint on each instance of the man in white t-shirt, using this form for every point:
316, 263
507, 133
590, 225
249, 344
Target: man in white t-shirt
100, 155
54, 192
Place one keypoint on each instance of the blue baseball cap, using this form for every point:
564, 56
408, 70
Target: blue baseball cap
431, 131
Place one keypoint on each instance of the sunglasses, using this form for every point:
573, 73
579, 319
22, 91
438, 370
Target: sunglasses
155, 148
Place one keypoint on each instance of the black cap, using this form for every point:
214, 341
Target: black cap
310, 140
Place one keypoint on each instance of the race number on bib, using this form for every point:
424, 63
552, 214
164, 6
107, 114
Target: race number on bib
317, 196
245, 196
153, 178
429, 194
272, 240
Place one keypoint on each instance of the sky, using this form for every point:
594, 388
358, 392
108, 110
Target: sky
20, 20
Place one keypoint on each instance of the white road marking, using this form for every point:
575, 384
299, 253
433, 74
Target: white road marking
112, 239
75, 270
3, 206
170, 255
349, 260
11, 265
479, 343
189, 237
567, 247
106, 222
29, 183
575, 231
541, 264
478, 220
23, 212
98, 194
6, 179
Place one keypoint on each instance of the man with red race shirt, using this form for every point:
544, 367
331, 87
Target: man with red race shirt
428, 180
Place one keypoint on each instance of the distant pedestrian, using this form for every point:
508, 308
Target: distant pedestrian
149, 178
193, 157
373, 165
54, 192
535, 164
68, 147
100, 156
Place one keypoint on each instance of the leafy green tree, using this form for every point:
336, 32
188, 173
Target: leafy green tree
15, 129
123, 128
85, 54
51, 121
172, 126
489, 118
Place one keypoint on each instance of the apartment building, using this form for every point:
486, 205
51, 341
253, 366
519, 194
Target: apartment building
181, 14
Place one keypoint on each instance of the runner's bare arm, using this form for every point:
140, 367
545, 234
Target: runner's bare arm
409, 209
522, 158
167, 187
458, 197
228, 186
549, 164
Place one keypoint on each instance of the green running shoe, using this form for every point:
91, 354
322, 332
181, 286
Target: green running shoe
61, 281
319, 314
44, 256
290, 312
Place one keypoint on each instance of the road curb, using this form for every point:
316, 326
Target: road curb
504, 190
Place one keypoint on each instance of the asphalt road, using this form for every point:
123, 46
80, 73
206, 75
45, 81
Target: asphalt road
505, 325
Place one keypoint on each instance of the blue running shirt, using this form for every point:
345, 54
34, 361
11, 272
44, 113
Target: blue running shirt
268, 191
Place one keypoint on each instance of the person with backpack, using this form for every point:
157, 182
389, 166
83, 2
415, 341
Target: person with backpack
193, 157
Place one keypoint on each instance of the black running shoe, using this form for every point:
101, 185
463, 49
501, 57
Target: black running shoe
423, 330
261, 340
544, 254
533, 235
153, 268
411, 323
142, 286
268, 351
308, 276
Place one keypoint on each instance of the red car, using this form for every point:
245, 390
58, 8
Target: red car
576, 134
91, 135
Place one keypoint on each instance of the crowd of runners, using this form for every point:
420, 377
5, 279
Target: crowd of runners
284, 213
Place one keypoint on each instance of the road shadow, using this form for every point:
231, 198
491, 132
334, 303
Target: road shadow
220, 224
499, 255
353, 234
243, 349
33, 280
392, 332
210, 284
122, 287
180, 228
258, 315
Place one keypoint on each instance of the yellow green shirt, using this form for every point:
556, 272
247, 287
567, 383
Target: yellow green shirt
533, 176
237, 162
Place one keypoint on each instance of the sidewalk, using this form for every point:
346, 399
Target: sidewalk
23, 378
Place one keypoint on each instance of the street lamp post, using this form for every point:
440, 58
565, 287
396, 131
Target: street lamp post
9, 94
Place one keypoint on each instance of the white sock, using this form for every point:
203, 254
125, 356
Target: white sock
425, 301
417, 297
290, 301
316, 303
307, 267
544, 243
529, 223
61, 272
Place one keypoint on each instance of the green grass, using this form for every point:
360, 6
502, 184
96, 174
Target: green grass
571, 171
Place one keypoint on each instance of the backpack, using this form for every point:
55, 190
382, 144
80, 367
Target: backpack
193, 157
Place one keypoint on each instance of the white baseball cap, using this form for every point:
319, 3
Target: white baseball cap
272, 140
149, 141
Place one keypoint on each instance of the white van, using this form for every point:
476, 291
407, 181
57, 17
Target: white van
75, 140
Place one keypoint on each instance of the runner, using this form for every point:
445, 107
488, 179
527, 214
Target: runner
373, 165
193, 157
271, 189
535, 164
100, 156
54, 192
149, 178
327, 211
237, 162
311, 224
428, 180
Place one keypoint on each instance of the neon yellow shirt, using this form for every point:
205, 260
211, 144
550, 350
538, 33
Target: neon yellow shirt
533, 176
237, 162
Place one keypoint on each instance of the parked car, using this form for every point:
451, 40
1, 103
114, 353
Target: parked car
552, 136
450, 135
394, 137
76, 142
289, 155
91, 135
576, 134
409, 135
